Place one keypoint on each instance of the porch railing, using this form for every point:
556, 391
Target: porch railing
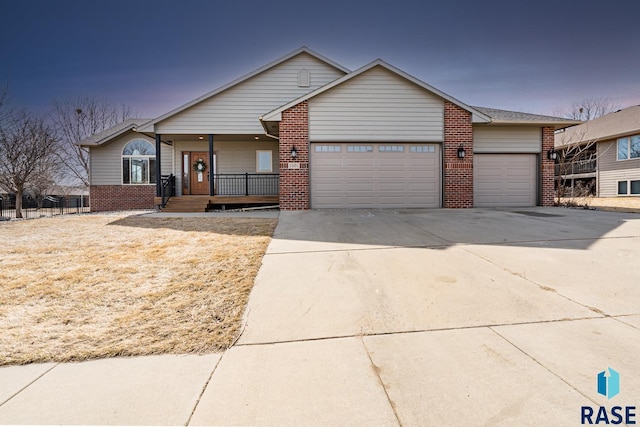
168, 184
576, 167
247, 184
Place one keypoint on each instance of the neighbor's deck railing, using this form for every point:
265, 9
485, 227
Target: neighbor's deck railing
576, 167
247, 184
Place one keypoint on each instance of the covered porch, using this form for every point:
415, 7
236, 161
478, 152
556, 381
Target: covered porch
217, 170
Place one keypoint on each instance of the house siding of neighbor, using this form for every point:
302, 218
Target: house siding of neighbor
612, 171
328, 137
617, 174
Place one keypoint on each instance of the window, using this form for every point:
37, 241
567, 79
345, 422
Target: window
139, 163
263, 161
625, 186
391, 148
422, 149
359, 148
327, 149
622, 188
629, 147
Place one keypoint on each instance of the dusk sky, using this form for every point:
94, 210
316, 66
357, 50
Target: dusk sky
532, 56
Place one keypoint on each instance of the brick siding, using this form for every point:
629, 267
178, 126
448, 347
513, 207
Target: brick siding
121, 197
547, 167
458, 173
294, 183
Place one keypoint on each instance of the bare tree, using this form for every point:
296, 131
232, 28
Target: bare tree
78, 119
575, 155
590, 108
27, 155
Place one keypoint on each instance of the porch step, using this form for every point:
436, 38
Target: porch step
187, 204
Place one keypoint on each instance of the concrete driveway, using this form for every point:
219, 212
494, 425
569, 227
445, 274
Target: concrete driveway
369, 317
436, 317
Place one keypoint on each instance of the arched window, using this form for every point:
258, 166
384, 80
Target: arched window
139, 162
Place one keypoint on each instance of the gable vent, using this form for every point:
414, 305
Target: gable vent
303, 78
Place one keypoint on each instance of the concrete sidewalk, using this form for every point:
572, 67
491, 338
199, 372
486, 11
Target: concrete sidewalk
441, 317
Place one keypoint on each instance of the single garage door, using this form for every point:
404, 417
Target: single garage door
375, 175
504, 180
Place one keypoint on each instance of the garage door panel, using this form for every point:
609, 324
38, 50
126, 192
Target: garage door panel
394, 187
351, 186
426, 187
332, 161
374, 178
334, 187
392, 163
505, 180
355, 175
517, 186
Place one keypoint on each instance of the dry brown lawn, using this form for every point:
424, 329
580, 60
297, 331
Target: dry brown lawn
615, 204
81, 287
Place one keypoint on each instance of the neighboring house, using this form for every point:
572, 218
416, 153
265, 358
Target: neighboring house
308, 133
612, 154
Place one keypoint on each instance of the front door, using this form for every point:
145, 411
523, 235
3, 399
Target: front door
199, 178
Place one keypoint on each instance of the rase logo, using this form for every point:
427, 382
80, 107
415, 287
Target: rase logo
609, 386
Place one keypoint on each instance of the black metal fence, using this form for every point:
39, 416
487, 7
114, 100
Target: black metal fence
44, 207
247, 184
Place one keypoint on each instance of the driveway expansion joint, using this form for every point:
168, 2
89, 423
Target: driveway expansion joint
381, 334
29, 385
543, 366
376, 371
204, 388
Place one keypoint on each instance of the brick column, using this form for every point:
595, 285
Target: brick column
547, 167
458, 173
294, 183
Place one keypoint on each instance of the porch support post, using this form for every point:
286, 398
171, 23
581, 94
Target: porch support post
211, 177
158, 162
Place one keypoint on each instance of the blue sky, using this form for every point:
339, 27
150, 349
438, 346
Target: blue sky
533, 56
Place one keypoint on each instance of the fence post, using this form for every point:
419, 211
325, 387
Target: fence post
246, 183
1, 205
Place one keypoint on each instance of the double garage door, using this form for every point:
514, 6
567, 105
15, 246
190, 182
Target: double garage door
375, 175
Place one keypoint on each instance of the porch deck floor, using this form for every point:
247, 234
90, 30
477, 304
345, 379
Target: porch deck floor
200, 203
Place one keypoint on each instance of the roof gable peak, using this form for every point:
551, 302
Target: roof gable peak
149, 126
478, 116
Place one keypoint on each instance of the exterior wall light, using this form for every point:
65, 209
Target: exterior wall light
294, 153
552, 155
461, 152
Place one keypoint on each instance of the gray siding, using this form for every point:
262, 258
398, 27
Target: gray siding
236, 110
611, 170
106, 160
231, 156
376, 106
507, 139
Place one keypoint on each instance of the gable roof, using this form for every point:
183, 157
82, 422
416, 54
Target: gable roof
148, 127
111, 133
610, 126
276, 115
505, 117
